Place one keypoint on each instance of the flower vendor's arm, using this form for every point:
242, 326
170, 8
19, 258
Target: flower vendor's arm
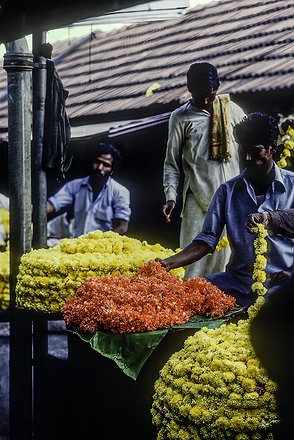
280, 222
207, 240
191, 253
120, 226
64, 197
121, 209
172, 163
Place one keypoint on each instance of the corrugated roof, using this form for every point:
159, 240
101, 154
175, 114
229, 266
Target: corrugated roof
251, 43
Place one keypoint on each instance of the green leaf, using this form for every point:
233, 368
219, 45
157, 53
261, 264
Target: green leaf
130, 351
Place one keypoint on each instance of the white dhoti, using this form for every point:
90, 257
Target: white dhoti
192, 221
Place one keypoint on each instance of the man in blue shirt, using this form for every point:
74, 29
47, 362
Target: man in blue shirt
261, 187
99, 202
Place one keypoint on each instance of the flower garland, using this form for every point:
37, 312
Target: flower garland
148, 301
288, 141
215, 387
259, 274
49, 277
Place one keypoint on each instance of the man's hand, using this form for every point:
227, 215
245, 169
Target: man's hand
257, 218
163, 263
120, 226
167, 209
50, 208
280, 277
191, 253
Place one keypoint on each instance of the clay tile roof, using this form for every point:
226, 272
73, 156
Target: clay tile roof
251, 43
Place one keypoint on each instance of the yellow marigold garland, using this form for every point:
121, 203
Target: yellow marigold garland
288, 141
49, 277
260, 247
215, 387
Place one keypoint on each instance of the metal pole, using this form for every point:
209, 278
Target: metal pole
39, 196
19, 63
39, 193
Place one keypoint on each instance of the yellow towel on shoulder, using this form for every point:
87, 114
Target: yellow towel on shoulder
221, 129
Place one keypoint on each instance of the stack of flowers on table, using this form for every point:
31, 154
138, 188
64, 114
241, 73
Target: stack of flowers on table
215, 387
148, 301
49, 277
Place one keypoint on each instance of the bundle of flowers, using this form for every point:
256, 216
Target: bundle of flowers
215, 387
288, 144
4, 280
49, 277
148, 301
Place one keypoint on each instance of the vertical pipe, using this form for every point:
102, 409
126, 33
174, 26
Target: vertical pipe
19, 63
39, 197
39, 190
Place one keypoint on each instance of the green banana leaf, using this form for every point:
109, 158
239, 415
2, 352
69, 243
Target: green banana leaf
130, 351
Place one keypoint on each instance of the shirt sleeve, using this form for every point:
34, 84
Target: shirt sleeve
63, 197
282, 222
237, 113
171, 168
214, 220
121, 204
4, 202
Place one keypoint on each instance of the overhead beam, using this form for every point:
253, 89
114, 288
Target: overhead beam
19, 18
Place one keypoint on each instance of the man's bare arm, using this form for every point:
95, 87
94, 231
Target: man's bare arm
50, 208
191, 253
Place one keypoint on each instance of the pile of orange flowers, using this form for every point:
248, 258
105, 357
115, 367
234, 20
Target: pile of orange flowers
148, 301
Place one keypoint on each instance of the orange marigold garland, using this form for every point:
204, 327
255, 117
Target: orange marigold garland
148, 301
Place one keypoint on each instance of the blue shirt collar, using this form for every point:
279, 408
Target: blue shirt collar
278, 182
85, 182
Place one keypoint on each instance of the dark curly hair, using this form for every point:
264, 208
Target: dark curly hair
257, 128
202, 74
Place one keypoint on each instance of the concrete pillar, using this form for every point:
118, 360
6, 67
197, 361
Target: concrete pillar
18, 63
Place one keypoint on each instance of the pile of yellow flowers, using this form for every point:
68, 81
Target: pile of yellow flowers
49, 277
215, 387
4, 280
4, 220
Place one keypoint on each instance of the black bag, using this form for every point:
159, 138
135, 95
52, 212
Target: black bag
57, 131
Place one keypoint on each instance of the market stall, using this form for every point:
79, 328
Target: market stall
106, 385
